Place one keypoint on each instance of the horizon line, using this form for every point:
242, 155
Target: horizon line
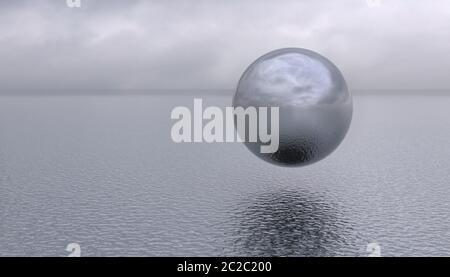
200, 91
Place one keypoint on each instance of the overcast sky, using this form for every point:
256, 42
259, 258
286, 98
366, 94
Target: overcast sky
174, 44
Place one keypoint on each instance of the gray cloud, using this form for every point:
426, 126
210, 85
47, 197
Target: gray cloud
111, 44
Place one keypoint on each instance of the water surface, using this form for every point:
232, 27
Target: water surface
102, 171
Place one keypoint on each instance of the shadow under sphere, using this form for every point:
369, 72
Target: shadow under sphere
287, 223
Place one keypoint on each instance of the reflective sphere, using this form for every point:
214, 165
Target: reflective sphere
314, 103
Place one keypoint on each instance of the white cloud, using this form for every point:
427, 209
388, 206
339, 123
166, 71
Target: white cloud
180, 44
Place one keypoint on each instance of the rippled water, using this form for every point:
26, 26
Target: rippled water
102, 171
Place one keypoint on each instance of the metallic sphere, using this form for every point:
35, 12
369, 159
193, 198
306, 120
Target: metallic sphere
314, 103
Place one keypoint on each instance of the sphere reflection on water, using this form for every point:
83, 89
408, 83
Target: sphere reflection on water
314, 102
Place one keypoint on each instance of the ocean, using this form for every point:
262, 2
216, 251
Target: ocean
102, 171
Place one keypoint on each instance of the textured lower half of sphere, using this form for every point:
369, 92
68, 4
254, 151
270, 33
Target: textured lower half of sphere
307, 136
